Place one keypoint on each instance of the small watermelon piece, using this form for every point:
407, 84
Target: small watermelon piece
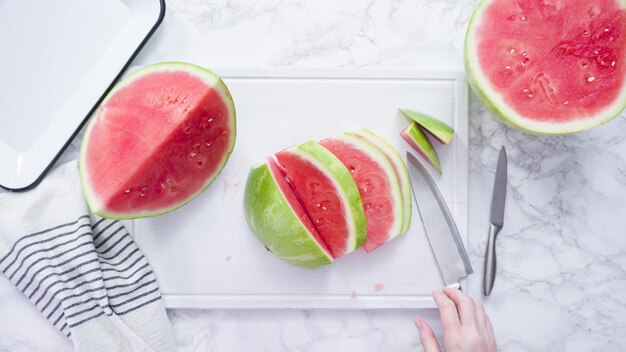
279, 221
549, 67
401, 172
418, 140
440, 130
328, 194
158, 139
378, 186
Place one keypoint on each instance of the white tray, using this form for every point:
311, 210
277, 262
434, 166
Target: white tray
58, 60
204, 254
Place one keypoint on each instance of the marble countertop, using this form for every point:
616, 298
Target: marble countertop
562, 254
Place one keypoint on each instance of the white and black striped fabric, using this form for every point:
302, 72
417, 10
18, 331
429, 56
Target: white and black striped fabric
80, 270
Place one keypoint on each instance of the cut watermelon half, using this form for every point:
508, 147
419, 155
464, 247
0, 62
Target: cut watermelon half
549, 67
417, 140
378, 186
328, 194
401, 172
158, 139
279, 221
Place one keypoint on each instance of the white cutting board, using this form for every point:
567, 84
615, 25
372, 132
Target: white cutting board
204, 254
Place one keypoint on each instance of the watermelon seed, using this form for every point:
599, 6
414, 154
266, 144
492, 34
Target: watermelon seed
591, 79
596, 52
523, 18
507, 67
209, 120
200, 162
565, 102
127, 191
526, 90
323, 208
613, 63
193, 154
512, 51
530, 95
207, 144
142, 194
606, 29
585, 32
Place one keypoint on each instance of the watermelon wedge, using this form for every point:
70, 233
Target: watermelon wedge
158, 139
288, 232
441, 131
378, 186
418, 140
401, 172
328, 194
549, 67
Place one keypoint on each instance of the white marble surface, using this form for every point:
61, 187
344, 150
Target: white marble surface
562, 254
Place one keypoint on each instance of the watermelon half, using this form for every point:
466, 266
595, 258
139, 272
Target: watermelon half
378, 186
549, 67
158, 139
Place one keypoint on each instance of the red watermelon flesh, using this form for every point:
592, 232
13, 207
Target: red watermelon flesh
279, 174
157, 141
319, 198
554, 60
383, 207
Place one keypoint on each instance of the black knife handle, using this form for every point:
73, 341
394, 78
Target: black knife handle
489, 276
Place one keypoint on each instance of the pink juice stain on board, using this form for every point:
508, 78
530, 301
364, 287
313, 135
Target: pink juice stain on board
378, 287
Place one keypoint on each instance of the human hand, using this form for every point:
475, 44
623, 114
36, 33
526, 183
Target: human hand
465, 325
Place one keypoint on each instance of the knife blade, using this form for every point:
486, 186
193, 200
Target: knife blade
439, 225
496, 221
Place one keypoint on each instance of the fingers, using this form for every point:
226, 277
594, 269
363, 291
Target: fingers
447, 311
491, 337
427, 336
464, 305
481, 316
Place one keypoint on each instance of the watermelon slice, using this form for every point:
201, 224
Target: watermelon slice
441, 131
378, 186
401, 172
328, 195
549, 67
418, 140
158, 139
288, 232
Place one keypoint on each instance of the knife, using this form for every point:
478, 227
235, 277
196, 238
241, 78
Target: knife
498, 200
439, 225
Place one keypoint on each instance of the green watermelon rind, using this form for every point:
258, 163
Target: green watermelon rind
418, 140
339, 175
402, 172
439, 129
495, 104
383, 162
212, 80
282, 232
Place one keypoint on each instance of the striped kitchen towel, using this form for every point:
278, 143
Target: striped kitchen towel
85, 274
